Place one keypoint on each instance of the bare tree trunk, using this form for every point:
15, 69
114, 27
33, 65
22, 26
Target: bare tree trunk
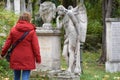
106, 12
102, 58
109, 9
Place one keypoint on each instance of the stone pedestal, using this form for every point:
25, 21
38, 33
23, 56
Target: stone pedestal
112, 66
62, 75
50, 49
113, 44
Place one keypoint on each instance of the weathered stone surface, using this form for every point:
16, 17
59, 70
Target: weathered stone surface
50, 48
113, 44
62, 75
47, 11
74, 22
54, 75
112, 66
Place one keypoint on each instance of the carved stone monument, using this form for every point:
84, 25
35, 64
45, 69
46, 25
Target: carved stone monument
47, 13
74, 21
50, 47
113, 44
49, 40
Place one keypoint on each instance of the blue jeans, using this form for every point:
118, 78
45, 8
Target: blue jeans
25, 74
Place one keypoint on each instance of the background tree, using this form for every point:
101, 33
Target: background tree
110, 8
67, 3
106, 13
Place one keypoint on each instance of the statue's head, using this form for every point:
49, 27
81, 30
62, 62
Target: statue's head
61, 10
70, 7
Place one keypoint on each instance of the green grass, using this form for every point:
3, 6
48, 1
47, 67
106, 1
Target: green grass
91, 69
94, 71
5, 71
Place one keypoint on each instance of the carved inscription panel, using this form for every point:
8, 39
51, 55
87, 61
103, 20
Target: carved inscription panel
115, 41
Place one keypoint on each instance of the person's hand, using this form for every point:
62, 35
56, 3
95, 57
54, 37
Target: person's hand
58, 17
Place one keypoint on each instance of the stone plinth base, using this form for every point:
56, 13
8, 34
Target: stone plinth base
62, 75
112, 66
54, 75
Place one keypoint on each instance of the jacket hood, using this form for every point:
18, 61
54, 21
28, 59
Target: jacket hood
23, 26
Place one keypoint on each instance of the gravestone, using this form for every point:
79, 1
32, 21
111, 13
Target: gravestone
113, 44
17, 6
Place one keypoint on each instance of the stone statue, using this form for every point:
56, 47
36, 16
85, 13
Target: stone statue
70, 20
47, 13
81, 15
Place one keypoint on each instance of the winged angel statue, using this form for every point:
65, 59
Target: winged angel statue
74, 22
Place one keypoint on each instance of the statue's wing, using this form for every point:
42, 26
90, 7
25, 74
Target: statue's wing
81, 15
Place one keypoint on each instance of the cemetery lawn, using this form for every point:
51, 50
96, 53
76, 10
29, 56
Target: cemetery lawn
94, 71
91, 69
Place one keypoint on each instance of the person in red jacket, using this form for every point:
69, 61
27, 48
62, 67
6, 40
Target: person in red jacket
27, 52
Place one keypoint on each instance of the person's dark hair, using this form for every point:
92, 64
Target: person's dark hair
25, 16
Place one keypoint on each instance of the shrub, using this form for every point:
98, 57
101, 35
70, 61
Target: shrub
94, 36
7, 20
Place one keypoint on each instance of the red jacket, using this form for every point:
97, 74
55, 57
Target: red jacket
26, 52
